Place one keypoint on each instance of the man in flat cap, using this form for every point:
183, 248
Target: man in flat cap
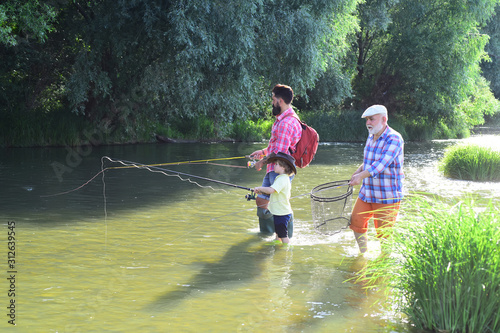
381, 176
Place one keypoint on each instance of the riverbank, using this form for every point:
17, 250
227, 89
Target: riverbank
64, 129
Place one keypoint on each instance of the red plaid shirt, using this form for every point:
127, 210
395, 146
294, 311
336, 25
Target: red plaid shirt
285, 133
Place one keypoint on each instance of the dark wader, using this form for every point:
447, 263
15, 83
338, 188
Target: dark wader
266, 222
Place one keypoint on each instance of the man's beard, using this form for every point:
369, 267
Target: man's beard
276, 110
376, 129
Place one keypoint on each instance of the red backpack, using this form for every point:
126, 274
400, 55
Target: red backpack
307, 146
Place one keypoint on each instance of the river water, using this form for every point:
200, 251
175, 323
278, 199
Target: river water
142, 251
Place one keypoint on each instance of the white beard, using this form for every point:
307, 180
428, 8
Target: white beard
375, 130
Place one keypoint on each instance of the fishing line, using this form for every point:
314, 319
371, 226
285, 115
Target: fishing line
249, 209
154, 168
222, 165
105, 205
151, 165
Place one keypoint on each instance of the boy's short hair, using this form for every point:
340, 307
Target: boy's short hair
288, 169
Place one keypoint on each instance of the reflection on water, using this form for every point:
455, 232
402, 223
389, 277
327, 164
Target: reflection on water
142, 251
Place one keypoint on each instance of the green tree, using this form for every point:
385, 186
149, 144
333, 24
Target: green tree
203, 57
368, 51
491, 66
33, 66
374, 19
431, 59
333, 85
27, 19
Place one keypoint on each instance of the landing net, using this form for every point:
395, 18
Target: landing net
331, 205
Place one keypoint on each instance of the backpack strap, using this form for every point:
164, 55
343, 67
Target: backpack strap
294, 115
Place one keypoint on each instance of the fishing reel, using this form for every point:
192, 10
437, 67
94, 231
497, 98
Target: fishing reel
250, 196
253, 160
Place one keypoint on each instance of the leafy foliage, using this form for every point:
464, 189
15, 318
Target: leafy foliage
337, 126
214, 58
374, 16
491, 66
25, 19
431, 53
130, 66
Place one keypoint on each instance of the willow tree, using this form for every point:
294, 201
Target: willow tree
25, 19
491, 66
201, 57
368, 51
431, 66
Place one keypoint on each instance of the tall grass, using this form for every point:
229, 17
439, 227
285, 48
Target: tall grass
471, 162
40, 129
445, 268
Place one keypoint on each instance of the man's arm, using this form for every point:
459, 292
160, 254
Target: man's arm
258, 154
261, 156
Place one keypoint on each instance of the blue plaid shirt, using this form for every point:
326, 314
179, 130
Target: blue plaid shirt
384, 161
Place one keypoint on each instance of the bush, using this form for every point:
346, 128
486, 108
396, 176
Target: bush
471, 162
445, 271
337, 126
250, 131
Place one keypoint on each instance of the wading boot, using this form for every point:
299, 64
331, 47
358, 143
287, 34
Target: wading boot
290, 227
266, 221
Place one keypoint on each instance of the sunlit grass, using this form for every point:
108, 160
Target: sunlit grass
471, 162
248, 130
445, 267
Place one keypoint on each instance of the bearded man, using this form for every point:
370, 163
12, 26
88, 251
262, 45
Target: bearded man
285, 134
381, 176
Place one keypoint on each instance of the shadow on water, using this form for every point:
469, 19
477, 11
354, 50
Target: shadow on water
239, 265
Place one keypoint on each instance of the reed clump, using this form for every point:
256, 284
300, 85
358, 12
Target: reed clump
445, 268
471, 162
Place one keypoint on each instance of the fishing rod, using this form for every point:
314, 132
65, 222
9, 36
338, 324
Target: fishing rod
146, 166
155, 166
186, 162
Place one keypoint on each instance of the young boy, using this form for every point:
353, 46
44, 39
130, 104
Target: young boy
280, 191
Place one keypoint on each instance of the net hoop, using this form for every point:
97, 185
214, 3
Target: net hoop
315, 193
330, 206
